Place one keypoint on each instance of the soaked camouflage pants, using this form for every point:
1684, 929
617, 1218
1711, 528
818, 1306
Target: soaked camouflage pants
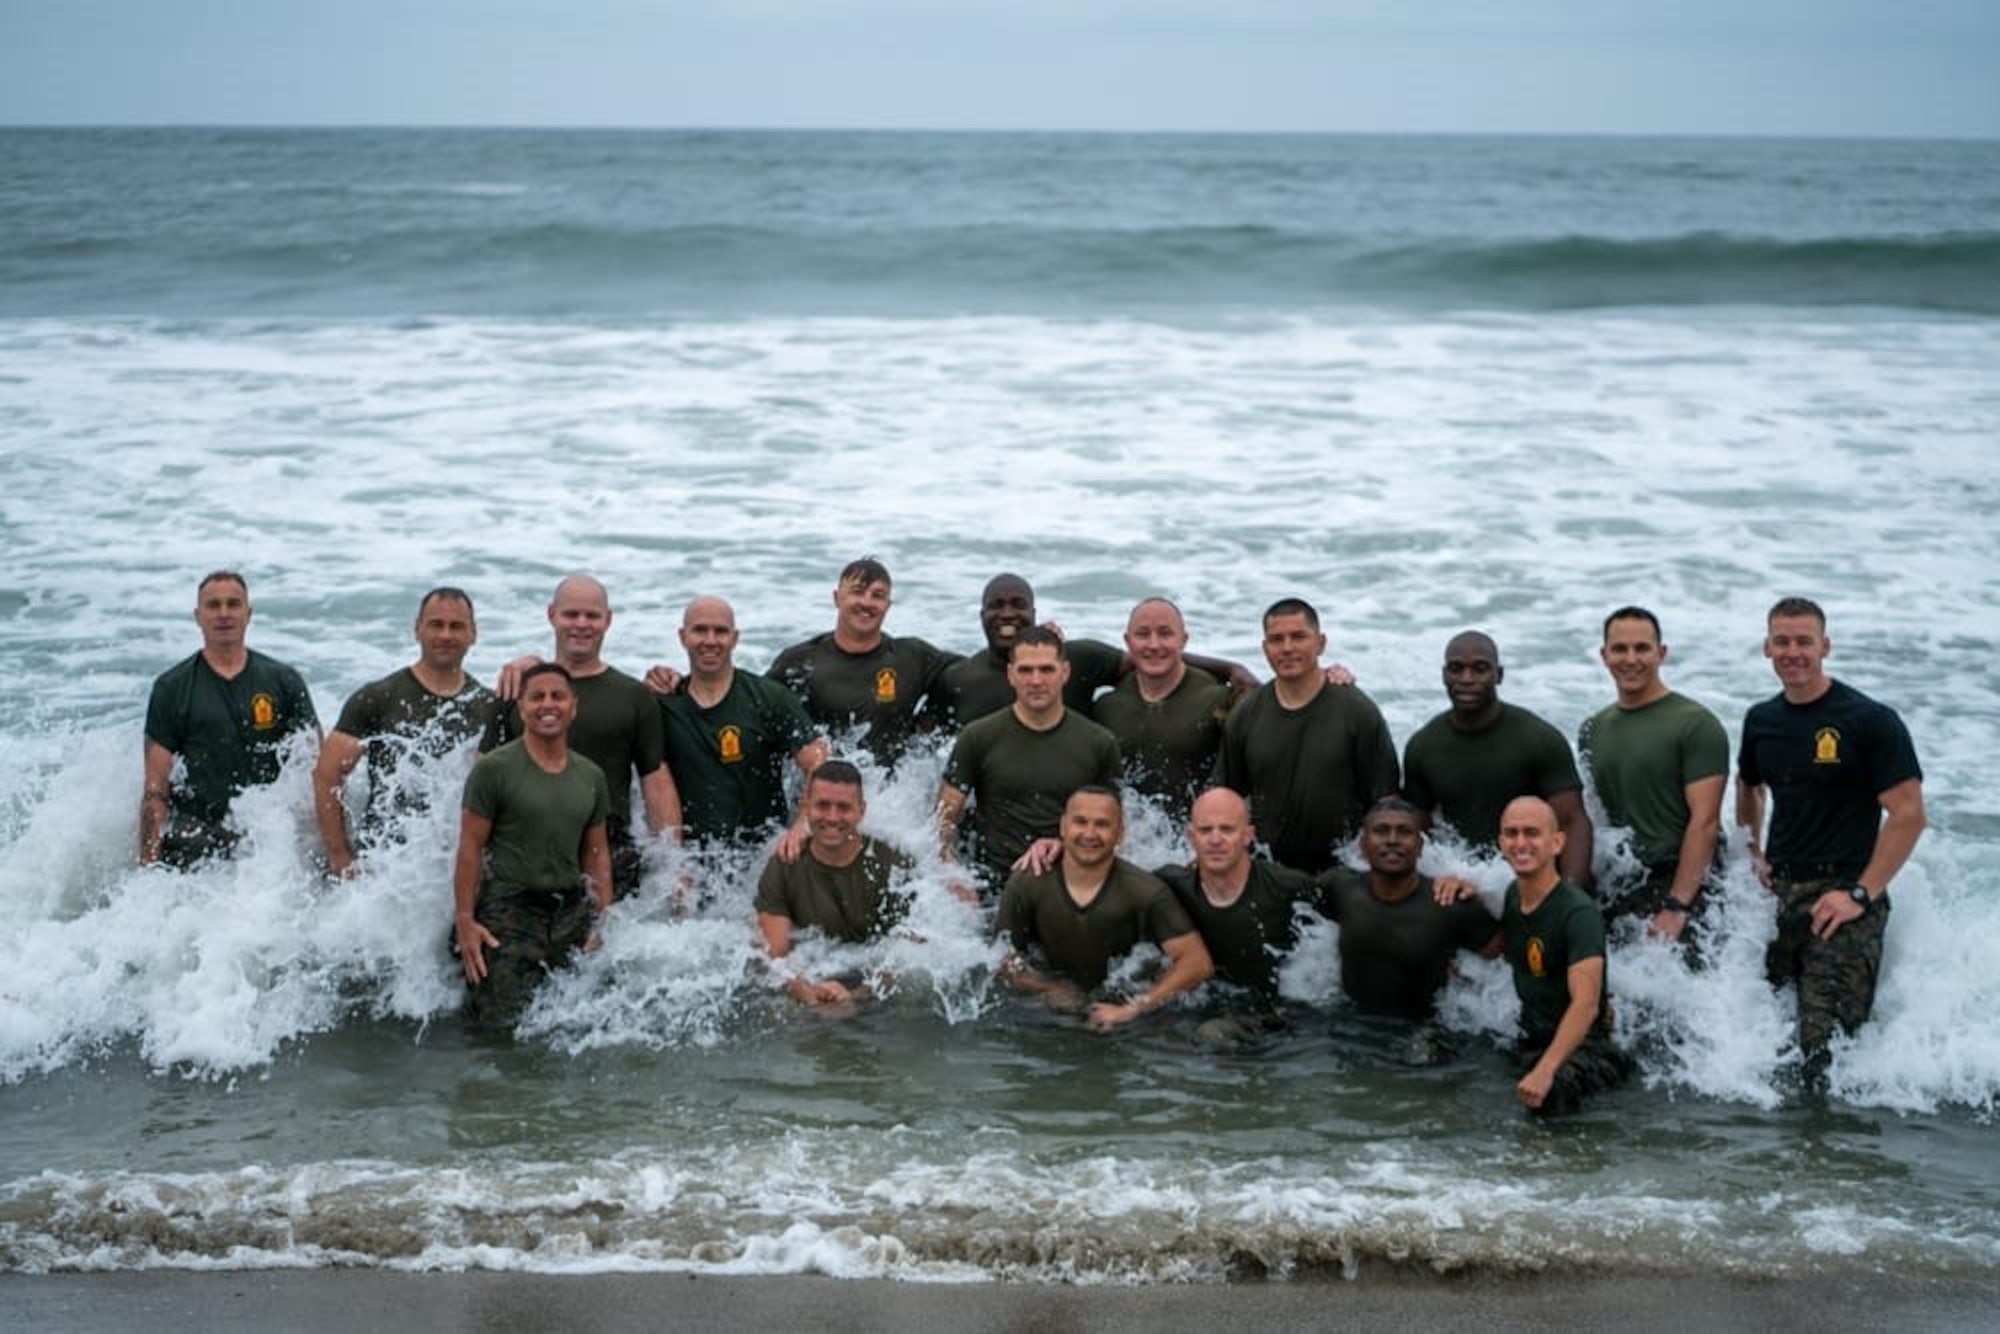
1835, 978
1592, 1068
538, 931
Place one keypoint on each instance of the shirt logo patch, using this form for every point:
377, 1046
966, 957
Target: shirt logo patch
885, 686
1826, 746
263, 712
729, 744
1537, 961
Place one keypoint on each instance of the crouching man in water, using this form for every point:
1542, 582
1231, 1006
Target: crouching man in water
844, 884
1554, 941
1091, 909
534, 863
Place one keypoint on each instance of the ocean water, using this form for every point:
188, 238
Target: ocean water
1428, 383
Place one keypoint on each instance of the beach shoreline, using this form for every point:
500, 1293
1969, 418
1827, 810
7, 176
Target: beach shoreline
333, 1301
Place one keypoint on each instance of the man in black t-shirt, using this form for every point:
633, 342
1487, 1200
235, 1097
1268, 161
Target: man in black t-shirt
421, 712
1848, 807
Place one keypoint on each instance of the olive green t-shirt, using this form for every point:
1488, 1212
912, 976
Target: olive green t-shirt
1542, 947
539, 818
1249, 938
1169, 747
880, 690
398, 717
618, 727
1467, 778
973, 687
1037, 916
1642, 761
729, 761
1019, 779
228, 733
1309, 774
862, 900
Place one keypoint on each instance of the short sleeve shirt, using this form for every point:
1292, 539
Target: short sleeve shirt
1467, 778
1038, 917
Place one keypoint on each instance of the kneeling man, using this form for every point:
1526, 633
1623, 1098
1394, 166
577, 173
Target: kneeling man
1554, 940
1091, 908
844, 884
534, 863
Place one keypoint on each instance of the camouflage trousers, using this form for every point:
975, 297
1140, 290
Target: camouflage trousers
538, 931
1835, 978
1592, 1068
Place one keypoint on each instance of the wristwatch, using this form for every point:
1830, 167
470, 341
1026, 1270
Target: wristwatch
1859, 893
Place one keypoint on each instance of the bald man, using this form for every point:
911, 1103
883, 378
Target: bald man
730, 735
1167, 718
618, 725
1467, 763
1553, 937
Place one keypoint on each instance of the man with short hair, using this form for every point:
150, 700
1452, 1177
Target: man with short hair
1310, 756
1016, 767
1848, 808
1166, 718
224, 713
1090, 910
855, 676
730, 735
845, 885
1398, 940
1467, 763
422, 712
617, 725
533, 871
1659, 761
1554, 943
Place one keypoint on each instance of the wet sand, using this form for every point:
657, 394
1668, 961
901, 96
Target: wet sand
336, 1301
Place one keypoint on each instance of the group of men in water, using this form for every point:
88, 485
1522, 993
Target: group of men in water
1272, 782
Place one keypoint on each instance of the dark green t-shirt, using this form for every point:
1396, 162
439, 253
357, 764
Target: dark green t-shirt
1019, 779
973, 687
1248, 939
227, 733
880, 690
1466, 779
1642, 761
539, 819
729, 761
1309, 774
1542, 947
1037, 916
1169, 747
862, 900
618, 727
1395, 957
397, 718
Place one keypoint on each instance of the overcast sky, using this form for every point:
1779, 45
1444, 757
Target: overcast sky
1869, 67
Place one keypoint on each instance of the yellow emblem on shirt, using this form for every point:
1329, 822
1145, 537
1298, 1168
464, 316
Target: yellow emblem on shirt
885, 686
1826, 746
1537, 964
729, 744
263, 712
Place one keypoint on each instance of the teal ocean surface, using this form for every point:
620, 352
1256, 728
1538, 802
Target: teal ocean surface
1427, 383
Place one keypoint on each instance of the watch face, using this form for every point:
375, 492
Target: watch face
1859, 895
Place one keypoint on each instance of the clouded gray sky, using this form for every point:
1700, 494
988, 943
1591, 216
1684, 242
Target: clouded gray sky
1870, 67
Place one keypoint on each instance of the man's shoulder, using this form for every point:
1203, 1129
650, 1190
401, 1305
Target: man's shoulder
1081, 724
178, 673
264, 663
1526, 722
1135, 879
886, 857
1436, 730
